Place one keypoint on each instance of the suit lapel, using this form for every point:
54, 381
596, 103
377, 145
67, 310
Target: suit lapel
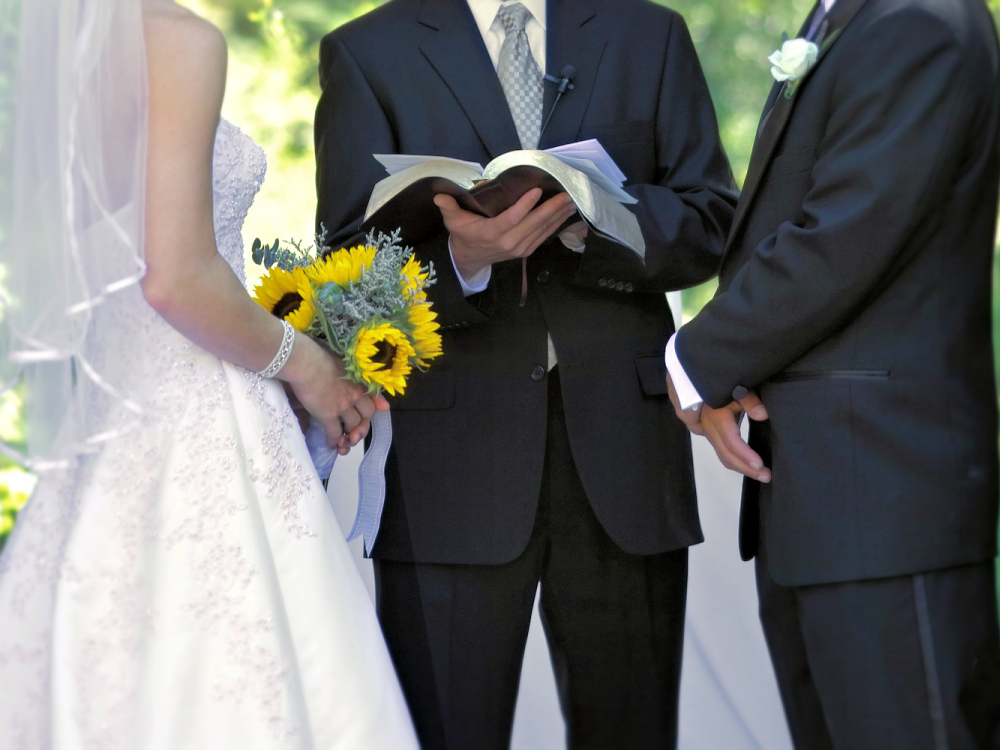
574, 38
776, 120
454, 47
777, 88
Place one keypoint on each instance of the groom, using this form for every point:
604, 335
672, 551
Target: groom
855, 299
542, 446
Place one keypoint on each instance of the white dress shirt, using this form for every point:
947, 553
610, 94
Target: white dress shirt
687, 394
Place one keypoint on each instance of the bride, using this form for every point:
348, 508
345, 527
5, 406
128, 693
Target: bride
178, 579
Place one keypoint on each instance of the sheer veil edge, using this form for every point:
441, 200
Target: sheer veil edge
73, 135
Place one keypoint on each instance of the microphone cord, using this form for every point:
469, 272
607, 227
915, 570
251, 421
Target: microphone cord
565, 82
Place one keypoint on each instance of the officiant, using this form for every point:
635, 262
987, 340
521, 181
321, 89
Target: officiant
542, 446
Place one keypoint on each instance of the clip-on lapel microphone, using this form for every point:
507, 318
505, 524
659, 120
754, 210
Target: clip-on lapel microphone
565, 82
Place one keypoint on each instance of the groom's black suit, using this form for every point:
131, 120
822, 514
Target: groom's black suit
500, 468
855, 296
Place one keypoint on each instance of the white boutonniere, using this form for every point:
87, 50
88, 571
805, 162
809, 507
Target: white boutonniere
794, 60
792, 63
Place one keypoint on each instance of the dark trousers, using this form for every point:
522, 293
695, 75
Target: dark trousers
910, 662
614, 624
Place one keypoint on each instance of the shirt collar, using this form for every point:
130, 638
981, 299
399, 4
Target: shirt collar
827, 4
485, 11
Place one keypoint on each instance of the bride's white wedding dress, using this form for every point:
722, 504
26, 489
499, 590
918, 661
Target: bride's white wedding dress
189, 586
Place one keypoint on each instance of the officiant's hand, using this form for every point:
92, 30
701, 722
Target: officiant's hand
722, 429
478, 242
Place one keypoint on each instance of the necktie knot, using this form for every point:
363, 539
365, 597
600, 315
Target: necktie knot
514, 17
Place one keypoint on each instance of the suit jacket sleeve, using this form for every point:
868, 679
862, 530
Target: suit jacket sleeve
351, 126
903, 98
686, 214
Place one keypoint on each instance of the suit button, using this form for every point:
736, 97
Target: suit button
619, 287
538, 373
611, 284
602, 283
629, 288
543, 277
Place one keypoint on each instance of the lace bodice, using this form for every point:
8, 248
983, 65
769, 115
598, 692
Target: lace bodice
238, 169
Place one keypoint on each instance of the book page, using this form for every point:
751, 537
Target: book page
454, 171
394, 163
593, 151
598, 178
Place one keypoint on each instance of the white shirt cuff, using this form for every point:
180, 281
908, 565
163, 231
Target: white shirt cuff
687, 394
477, 283
573, 241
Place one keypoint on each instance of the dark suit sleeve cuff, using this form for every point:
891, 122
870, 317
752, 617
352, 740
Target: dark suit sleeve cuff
714, 392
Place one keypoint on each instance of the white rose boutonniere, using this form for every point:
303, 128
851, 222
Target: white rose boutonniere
794, 60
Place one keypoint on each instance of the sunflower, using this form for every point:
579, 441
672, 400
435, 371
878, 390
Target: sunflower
381, 357
342, 267
413, 278
287, 295
426, 339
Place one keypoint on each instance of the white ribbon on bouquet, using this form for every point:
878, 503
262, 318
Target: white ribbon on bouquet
371, 474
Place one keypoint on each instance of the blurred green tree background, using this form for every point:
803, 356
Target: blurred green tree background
273, 87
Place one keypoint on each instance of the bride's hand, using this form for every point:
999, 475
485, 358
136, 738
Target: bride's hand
316, 377
357, 421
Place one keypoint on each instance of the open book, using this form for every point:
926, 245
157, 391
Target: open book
405, 198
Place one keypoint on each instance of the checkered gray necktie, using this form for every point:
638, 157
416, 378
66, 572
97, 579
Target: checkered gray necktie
520, 77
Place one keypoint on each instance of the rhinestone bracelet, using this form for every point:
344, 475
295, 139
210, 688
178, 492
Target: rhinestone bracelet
284, 352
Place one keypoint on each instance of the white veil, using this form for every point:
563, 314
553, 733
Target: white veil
73, 129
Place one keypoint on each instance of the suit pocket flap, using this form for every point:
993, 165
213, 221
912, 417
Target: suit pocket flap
652, 371
434, 389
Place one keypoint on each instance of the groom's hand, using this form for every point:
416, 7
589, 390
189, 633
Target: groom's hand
722, 429
478, 242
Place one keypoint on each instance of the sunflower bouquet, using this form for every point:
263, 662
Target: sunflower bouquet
367, 303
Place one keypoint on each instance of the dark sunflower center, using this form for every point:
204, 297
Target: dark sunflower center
385, 353
287, 305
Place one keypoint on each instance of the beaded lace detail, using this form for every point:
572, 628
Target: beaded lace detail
238, 172
157, 534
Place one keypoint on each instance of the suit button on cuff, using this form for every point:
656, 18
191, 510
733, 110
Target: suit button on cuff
538, 373
619, 287
602, 283
629, 288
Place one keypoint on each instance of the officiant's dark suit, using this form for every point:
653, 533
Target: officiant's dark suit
505, 473
855, 296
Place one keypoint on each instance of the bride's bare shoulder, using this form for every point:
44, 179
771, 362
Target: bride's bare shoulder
182, 49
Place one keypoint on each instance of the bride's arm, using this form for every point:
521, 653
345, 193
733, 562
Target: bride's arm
187, 281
